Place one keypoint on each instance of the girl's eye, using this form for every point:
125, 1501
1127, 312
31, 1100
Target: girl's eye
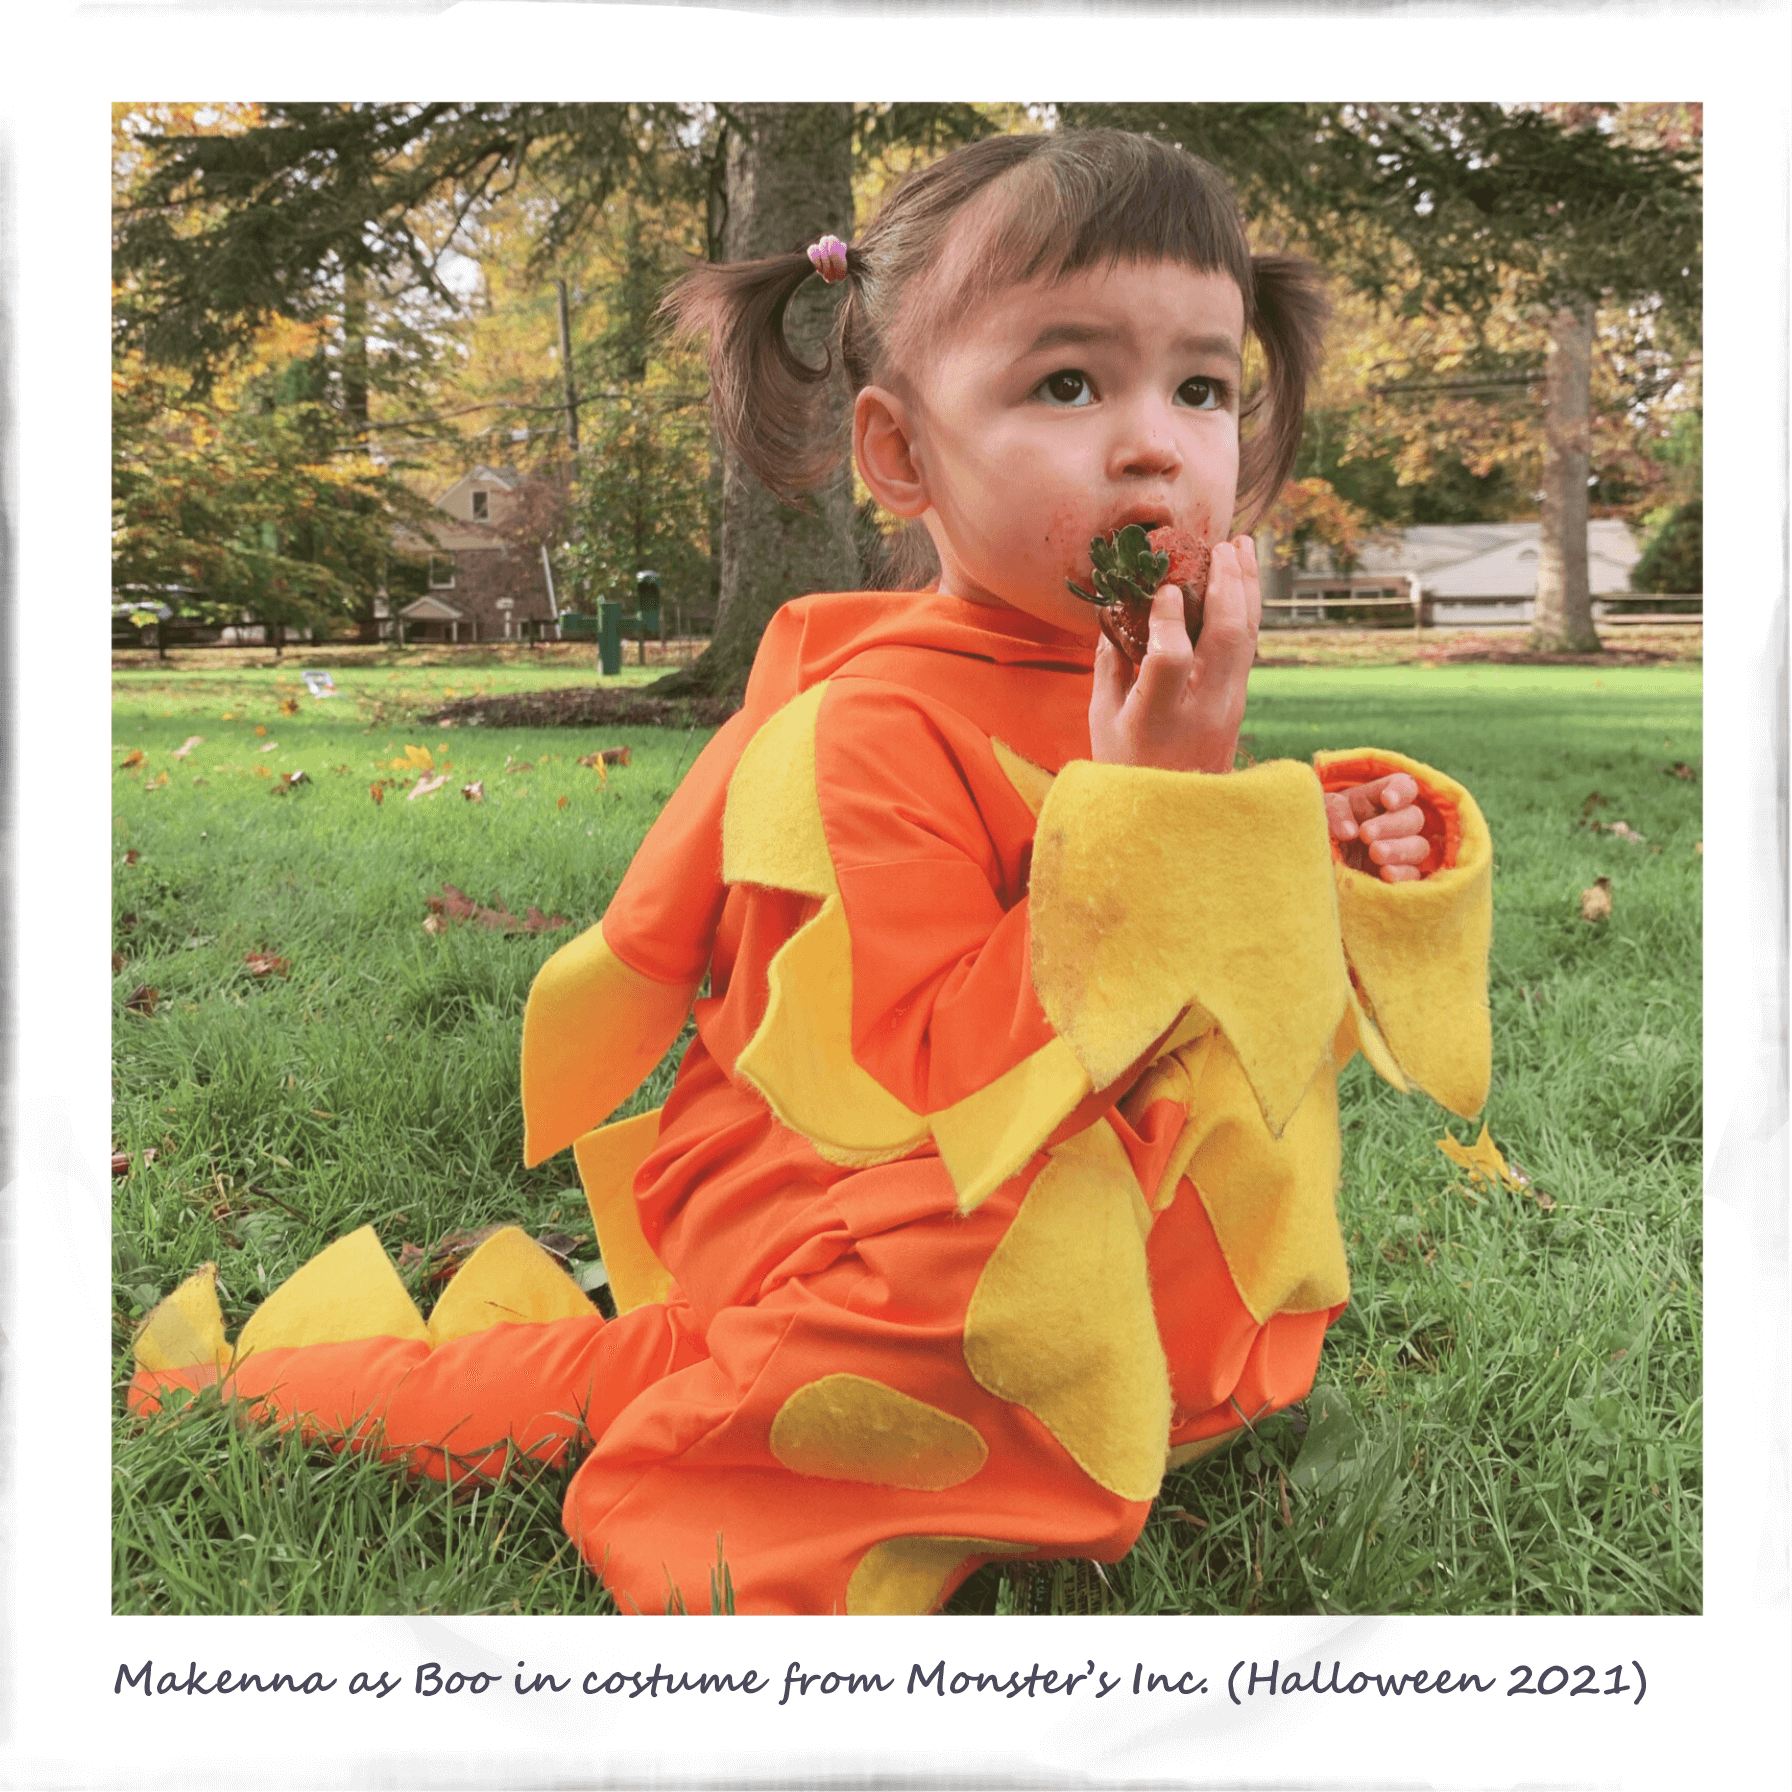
1067, 386
1203, 394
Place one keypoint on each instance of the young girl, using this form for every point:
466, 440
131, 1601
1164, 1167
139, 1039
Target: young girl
1001, 1171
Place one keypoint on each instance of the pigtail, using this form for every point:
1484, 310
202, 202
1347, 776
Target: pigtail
763, 396
1289, 309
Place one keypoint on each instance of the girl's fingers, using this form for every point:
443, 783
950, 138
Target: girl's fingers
1409, 851
1338, 816
1400, 874
1394, 826
1228, 625
1253, 589
1169, 659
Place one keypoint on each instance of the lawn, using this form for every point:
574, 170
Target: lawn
1508, 1417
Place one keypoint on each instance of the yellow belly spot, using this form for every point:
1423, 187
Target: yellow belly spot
851, 1428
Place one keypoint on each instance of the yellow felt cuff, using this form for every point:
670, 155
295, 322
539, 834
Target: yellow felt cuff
347, 1292
1154, 890
1419, 952
509, 1280
186, 1329
608, 1160
593, 1030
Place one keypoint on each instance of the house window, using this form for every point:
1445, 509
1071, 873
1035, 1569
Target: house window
441, 571
482, 507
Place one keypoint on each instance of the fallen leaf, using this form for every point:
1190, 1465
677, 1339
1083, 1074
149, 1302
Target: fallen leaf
271, 744
297, 777
259, 729
228, 716
456, 905
419, 757
1596, 900
261, 771
427, 786
121, 1163
1625, 831
158, 782
127, 923
1698, 846
434, 924
475, 792
378, 795
563, 802
192, 741
132, 855
522, 765
1486, 1167
142, 1000
266, 964
132, 759
118, 963
1680, 769
289, 706
1594, 801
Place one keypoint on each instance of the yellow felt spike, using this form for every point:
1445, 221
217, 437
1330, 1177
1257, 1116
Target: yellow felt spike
1358, 1033
187, 1328
801, 1060
1183, 1454
593, 1030
1033, 782
987, 1137
771, 825
1272, 1201
346, 1292
1419, 951
905, 1576
851, 1428
1151, 890
1486, 1167
608, 1160
509, 1280
1061, 1320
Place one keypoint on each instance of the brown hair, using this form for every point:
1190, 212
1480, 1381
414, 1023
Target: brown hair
1057, 202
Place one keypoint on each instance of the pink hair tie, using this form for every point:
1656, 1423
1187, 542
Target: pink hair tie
829, 257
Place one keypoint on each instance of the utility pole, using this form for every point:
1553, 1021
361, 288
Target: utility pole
572, 402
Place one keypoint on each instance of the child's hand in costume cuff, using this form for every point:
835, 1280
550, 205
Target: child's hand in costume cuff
1380, 827
1181, 713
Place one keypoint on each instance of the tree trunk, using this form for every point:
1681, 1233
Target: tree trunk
1563, 618
788, 180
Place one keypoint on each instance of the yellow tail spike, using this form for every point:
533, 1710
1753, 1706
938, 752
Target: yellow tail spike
186, 1329
607, 1160
347, 1292
510, 1279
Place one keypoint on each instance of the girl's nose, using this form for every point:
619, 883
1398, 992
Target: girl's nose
1146, 446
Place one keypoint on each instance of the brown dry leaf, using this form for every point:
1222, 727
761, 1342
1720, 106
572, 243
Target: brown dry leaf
132, 759
434, 924
1596, 900
427, 786
474, 792
456, 905
261, 771
131, 856
192, 741
142, 1000
269, 747
1698, 846
1680, 769
266, 964
1594, 801
259, 729
158, 782
289, 706
121, 1163
376, 792
118, 963
563, 802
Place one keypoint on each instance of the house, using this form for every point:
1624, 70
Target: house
1459, 573
484, 585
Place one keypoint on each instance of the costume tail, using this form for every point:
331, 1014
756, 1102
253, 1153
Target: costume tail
514, 1360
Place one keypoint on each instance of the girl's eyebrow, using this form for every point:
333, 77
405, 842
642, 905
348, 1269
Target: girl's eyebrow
1071, 335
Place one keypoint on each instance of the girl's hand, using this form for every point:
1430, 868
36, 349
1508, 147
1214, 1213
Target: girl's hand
1382, 825
1182, 710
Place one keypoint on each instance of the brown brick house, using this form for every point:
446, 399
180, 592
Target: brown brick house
489, 578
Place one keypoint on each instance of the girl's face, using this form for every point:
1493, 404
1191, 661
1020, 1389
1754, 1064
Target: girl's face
1058, 412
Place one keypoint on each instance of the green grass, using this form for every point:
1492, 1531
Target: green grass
1508, 1417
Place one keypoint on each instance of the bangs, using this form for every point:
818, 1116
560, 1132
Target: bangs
1094, 199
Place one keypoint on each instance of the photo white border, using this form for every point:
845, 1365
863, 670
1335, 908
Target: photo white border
1717, 1682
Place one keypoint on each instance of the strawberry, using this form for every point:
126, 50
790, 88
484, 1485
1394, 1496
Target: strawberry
1129, 566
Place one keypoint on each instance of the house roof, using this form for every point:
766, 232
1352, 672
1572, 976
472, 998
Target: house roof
431, 608
1496, 559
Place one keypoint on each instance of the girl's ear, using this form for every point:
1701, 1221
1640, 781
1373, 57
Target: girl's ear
883, 445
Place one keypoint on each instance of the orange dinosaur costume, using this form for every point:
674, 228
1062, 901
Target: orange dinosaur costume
1001, 1171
